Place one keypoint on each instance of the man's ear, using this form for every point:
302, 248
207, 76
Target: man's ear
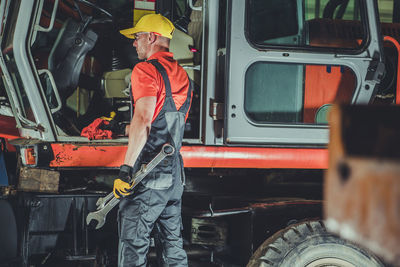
152, 37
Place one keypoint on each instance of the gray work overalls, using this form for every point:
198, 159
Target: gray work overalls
156, 202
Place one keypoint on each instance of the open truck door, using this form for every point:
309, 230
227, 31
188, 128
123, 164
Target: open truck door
20, 80
288, 61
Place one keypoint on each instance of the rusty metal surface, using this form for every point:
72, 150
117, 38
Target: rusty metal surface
71, 155
38, 180
362, 191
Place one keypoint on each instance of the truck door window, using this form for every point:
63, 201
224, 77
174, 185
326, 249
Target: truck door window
295, 93
273, 21
8, 54
386, 11
305, 23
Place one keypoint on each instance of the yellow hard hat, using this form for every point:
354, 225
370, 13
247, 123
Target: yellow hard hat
156, 23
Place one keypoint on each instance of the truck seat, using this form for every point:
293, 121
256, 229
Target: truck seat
68, 54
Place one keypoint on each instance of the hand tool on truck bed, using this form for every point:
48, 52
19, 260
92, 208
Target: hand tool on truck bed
107, 203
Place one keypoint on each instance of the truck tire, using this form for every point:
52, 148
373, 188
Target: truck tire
308, 244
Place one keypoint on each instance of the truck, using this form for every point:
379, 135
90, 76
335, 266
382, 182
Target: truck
265, 73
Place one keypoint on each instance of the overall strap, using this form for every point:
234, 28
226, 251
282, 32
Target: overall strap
164, 75
185, 107
132, 102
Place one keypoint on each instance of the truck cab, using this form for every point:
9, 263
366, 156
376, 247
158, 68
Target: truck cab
265, 73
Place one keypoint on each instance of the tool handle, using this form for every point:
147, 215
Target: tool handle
101, 202
166, 150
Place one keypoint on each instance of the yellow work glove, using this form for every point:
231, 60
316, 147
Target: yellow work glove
122, 187
112, 115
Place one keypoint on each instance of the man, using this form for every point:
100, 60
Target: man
162, 95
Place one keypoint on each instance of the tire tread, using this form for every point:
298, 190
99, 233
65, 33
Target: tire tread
278, 246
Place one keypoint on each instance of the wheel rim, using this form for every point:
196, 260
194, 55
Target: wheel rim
330, 262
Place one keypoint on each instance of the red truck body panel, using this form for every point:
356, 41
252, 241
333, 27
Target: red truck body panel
71, 155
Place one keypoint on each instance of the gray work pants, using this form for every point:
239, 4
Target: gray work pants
149, 209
